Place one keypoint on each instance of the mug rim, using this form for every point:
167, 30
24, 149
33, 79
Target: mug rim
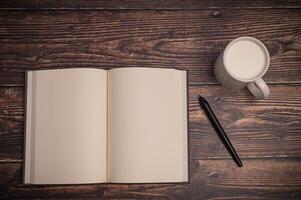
257, 42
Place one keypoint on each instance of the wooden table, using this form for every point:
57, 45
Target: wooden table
183, 34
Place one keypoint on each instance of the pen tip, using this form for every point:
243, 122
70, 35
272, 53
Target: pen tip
202, 100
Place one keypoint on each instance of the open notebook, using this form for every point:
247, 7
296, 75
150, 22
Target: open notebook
124, 125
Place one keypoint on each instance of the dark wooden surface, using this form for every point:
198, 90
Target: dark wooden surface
182, 34
145, 4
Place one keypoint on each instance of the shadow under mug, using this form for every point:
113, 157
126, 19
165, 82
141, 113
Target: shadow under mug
256, 85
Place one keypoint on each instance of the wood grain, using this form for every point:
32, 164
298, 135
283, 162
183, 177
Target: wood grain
146, 4
43, 34
210, 179
257, 128
185, 39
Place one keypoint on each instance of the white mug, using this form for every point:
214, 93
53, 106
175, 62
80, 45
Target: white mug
242, 64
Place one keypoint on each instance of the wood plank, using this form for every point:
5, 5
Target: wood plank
257, 128
147, 4
185, 39
210, 179
11, 123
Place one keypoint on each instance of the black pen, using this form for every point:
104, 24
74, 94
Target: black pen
219, 129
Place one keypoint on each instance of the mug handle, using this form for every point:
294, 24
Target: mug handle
259, 89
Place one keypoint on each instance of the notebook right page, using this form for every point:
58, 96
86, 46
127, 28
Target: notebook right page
147, 125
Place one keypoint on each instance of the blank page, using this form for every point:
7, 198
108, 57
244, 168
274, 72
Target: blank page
147, 128
66, 126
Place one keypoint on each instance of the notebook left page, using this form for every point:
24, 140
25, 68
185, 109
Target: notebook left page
66, 127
